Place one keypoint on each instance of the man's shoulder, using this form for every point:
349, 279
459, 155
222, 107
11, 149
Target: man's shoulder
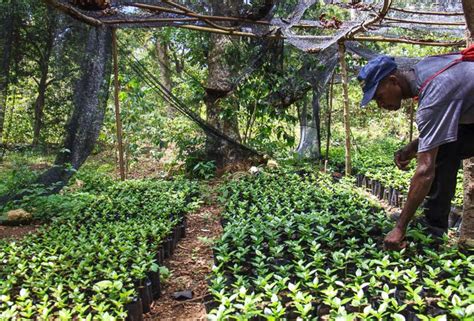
430, 65
439, 61
450, 83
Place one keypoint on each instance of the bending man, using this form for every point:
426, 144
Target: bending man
444, 86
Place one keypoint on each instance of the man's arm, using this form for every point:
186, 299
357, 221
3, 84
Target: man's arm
419, 187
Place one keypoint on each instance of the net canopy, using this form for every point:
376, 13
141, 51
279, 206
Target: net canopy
309, 25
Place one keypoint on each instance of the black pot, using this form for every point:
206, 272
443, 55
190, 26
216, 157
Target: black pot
291, 315
410, 315
182, 230
224, 221
145, 292
175, 237
365, 182
394, 198
209, 303
134, 310
171, 244
155, 284
159, 256
375, 185
176, 233
381, 191
401, 200
166, 248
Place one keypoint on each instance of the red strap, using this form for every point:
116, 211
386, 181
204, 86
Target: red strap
466, 55
427, 81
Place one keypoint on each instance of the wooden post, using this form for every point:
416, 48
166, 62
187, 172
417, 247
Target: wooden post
467, 228
342, 59
412, 112
330, 101
118, 121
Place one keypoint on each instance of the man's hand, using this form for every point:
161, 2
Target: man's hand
395, 239
403, 156
401, 160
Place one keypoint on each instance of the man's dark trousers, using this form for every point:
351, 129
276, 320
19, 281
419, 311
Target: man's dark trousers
437, 205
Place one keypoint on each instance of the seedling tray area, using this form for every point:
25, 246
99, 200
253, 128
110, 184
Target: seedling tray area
101, 262
300, 247
375, 169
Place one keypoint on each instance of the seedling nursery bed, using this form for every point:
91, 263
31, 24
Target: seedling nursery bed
294, 247
301, 248
101, 261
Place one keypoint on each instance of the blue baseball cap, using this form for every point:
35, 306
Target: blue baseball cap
371, 74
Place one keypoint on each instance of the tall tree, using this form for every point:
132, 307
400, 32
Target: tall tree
90, 99
162, 53
218, 85
7, 33
467, 230
42, 49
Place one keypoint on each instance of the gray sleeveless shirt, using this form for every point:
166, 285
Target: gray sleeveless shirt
446, 102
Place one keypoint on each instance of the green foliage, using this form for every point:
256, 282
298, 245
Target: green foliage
93, 178
204, 170
300, 246
44, 44
86, 262
374, 159
19, 167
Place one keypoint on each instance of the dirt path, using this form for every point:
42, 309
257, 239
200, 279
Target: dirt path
16, 232
190, 265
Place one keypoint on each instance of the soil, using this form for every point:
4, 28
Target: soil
190, 266
17, 232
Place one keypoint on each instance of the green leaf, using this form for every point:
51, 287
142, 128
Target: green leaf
398, 317
102, 285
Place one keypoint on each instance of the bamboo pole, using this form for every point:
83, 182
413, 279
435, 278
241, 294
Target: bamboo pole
421, 22
433, 13
330, 102
147, 20
466, 239
118, 120
409, 41
70, 10
342, 59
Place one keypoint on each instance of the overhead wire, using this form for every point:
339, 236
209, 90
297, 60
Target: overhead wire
154, 83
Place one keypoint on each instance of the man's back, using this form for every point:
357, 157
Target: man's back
446, 101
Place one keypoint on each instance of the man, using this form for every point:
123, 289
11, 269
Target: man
445, 120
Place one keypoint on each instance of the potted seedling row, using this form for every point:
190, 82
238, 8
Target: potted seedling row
304, 247
103, 263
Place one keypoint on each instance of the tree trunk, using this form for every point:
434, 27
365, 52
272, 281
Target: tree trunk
310, 140
90, 99
467, 229
468, 6
7, 36
44, 70
162, 52
39, 107
218, 85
